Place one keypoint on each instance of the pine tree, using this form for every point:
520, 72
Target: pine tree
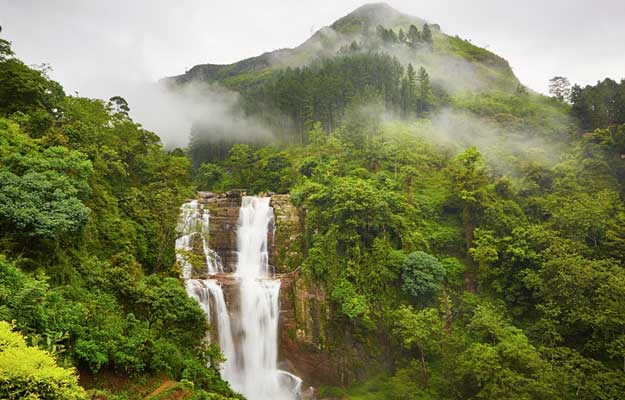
426, 36
414, 37
424, 100
381, 31
560, 88
392, 36
408, 91
401, 36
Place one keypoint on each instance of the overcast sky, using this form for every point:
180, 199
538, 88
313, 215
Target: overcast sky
99, 48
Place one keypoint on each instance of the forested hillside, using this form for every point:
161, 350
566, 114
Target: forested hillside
465, 229
479, 228
490, 285
88, 209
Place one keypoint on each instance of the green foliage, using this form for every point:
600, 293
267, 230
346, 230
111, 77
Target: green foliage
501, 363
414, 36
264, 170
526, 301
353, 305
40, 188
469, 51
423, 330
27, 90
422, 274
327, 91
30, 373
599, 106
208, 177
89, 202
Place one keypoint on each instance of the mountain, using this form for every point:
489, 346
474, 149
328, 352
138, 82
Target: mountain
452, 62
374, 55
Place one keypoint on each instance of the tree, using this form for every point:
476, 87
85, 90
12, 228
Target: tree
427, 35
208, 176
26, 89
599, 106
586, 297
409, 91
29, 373
275, 173
316, 135
40, 189
501, 364
422, 274
5, 48
560, 88
401, 36
387, 35
584, 216
424, 99
470, 187
241, 165
423, 330
413, 37
119, 105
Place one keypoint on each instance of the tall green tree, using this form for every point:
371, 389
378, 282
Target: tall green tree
401, 36
414, 36
424, 90
560, 88
426, 35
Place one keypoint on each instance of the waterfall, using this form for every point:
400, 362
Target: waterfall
248, 336
195, 221
204, 291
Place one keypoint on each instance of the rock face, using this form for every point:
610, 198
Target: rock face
313, 347
285, 245
224, 216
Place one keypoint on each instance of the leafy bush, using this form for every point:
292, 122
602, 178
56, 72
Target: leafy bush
27, 372
422, 274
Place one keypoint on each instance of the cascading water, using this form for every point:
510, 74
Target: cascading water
195, 221
257, 375
205, 291
251, 364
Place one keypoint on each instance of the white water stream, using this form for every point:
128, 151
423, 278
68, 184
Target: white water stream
248, 336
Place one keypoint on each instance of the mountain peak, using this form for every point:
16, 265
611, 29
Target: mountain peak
450, 58
371, 9
373, 14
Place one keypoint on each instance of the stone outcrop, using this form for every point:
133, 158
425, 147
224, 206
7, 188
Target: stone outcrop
285, 245
224, 216
312, 346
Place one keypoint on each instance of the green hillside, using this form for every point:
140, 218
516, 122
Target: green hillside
374, 55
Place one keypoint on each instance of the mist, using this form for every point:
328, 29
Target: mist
173, 112
499, 144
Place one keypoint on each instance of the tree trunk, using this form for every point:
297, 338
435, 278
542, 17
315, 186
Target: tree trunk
425, 370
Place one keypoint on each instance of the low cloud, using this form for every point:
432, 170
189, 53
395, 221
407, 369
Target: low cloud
206, 108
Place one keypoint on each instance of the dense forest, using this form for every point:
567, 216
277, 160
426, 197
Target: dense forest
495, 285
324, 91
599, 106
88, 208
491, 270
